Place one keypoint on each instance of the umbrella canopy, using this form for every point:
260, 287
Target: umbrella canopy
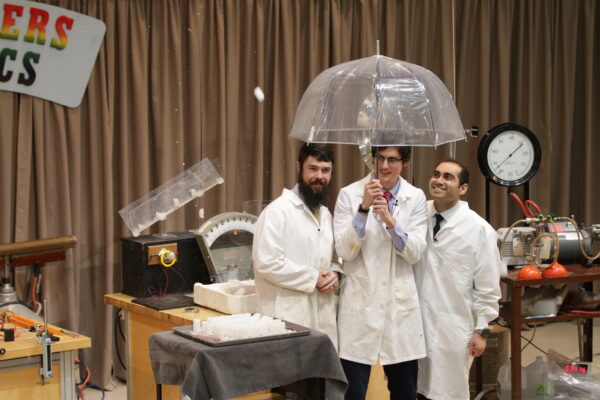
377, 101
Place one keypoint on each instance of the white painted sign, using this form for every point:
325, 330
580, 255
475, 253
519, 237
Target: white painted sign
47, 51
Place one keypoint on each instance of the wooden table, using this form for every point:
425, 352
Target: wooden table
577, 274
143, 321
20, 367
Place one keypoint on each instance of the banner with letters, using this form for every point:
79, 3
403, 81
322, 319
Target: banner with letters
47, 51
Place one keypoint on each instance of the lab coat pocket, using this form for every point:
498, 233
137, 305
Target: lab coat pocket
292, 307
452, 332
405, 294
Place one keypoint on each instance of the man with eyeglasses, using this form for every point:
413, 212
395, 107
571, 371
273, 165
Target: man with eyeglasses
380, 226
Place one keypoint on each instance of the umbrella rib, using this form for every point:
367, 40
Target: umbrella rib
377, 99
324, 101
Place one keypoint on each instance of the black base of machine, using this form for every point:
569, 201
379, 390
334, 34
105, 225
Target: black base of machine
166, 302
143, 280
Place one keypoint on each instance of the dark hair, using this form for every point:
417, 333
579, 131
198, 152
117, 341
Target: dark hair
322, 152
463, 176
404, 151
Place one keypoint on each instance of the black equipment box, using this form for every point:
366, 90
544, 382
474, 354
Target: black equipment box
144, 276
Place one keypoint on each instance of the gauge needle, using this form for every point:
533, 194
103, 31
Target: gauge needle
510, 155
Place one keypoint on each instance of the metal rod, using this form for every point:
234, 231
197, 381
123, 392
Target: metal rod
36, 246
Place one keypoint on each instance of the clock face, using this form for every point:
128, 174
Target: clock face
509, 155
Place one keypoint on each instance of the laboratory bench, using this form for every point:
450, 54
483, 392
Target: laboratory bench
512, 314
21, 360
142, 322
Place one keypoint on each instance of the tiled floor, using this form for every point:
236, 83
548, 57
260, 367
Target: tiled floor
560, 336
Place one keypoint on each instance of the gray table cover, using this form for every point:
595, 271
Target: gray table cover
206, 372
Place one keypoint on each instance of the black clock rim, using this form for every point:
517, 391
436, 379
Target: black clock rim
485, 144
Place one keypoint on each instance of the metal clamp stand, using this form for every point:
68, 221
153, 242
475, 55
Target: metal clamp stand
46, 342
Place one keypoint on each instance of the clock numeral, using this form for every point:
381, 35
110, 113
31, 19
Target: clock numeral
525, 153
500, 140
511, 137
495, 151
510, 173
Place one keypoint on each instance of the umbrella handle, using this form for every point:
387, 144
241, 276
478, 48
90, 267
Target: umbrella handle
376, 171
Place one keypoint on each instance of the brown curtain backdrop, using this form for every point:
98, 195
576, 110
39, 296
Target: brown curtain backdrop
174, 82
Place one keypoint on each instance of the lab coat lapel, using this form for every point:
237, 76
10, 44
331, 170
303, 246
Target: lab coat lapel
401, 198
460, 214
298, 202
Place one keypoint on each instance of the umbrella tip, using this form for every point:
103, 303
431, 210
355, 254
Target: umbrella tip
377, 47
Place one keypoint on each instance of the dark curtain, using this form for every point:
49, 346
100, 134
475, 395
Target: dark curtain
174, 82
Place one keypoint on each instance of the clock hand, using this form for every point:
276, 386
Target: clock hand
510, 155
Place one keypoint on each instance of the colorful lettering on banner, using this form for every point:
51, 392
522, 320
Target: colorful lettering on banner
47, 51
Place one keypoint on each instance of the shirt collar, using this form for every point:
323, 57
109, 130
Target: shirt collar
395, 189
449, 213
296, 189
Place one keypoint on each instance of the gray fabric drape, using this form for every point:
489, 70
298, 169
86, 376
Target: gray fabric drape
173, 84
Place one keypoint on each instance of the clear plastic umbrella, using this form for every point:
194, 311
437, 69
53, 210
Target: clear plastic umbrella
377, 101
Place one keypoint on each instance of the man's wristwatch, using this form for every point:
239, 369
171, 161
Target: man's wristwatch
362, 210
485, 332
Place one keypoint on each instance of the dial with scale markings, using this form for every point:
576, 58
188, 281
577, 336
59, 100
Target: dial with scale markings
225, 241
509, 155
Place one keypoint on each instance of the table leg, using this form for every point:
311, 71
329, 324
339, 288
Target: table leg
515, 342
67, 375
588, 331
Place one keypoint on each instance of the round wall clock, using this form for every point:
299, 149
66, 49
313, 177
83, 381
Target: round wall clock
509, 154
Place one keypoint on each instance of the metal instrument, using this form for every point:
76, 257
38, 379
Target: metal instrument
225, 241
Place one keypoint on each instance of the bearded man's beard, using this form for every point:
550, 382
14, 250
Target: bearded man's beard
313, 198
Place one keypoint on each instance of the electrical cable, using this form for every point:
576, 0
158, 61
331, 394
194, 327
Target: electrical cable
505, 324
84, 382
182, 280
33, 285
530, 340
92, 386
118, 324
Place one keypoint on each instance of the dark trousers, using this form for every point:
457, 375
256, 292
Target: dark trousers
401, 378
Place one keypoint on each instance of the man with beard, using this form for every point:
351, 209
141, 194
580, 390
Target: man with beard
380, 226
293, 249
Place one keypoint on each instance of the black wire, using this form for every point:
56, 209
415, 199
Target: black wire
530, 340
118, 324
97, 388
87, 372
505, 324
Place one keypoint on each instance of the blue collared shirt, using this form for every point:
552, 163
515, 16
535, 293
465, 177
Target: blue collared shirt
397, 234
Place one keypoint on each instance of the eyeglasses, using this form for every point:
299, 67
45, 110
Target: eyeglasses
390, 160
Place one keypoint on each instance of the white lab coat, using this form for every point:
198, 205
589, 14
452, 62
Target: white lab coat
290, 248
379, 315
459, 286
